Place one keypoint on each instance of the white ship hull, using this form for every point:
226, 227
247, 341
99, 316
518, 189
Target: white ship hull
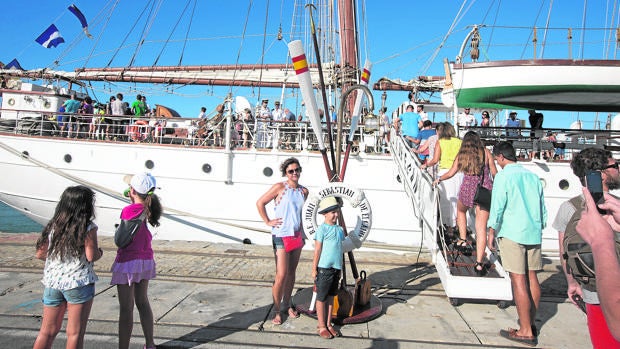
216, 206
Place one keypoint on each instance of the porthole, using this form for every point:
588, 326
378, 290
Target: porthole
564, 184
25, 154
149, 164
47, 104
543, 182
68, 158
268, 172
11, 101
206, 168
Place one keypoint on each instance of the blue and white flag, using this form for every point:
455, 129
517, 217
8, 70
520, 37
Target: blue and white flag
50, 37
80, 16
14, 64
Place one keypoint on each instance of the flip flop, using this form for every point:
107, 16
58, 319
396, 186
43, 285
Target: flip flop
512, 335
292, 312
277, 320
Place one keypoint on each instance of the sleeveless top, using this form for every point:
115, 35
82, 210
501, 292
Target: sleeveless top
449, 149
289, 209
71, 273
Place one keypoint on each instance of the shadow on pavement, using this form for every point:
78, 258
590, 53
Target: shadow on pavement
226, 325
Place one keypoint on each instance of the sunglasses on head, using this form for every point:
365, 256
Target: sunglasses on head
294, 170
614, 165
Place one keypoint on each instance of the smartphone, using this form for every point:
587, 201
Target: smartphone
594, 182
582, 305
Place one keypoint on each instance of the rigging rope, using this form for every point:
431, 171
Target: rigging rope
262, 56
529, 38
245, 27
122, 45
172, 32
191, 19
432, 57
583, 27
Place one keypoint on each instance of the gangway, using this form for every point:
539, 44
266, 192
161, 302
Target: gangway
454, 269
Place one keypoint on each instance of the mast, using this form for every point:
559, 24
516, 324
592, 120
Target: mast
348, 42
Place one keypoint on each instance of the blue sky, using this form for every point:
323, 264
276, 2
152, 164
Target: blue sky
401, 38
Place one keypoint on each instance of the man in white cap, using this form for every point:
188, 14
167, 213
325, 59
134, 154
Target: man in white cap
263, 118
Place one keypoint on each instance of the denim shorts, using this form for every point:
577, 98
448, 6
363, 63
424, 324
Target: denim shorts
277, 242
53, 297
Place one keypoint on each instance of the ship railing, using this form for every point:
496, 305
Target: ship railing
550, 144
274, 135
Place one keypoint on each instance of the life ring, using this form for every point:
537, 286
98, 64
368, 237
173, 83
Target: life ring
134, 130
357, 200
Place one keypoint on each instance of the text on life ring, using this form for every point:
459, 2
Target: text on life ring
355, 197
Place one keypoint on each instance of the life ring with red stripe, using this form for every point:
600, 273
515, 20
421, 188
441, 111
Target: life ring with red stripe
136, 130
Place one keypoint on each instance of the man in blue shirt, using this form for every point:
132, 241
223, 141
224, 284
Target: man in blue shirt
410, 125
518, 214
513, 122
425, 133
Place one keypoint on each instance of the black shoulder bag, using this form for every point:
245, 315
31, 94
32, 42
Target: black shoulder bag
483, 195
126, 230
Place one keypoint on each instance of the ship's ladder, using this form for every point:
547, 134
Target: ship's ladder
418, 186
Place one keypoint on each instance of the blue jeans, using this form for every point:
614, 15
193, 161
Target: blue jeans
53, 297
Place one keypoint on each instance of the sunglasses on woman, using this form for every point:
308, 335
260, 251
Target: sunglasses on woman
294, 170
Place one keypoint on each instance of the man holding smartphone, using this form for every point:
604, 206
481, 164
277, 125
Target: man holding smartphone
584, 165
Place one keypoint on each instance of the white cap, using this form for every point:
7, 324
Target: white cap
328, 204
142, 183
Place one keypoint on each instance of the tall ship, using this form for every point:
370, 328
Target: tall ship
211, 170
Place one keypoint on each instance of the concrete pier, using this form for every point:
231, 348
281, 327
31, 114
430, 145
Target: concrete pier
210, 295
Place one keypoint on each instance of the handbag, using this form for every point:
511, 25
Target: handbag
482, 198
291, 243
126, 230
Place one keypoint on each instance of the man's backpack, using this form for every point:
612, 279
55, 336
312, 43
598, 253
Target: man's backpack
577, 253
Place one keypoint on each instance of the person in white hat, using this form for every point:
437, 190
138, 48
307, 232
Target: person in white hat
134, 265
327, 264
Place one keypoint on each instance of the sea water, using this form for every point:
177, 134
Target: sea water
13, 221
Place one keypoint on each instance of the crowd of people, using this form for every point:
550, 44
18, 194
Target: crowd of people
116, 118
512, 223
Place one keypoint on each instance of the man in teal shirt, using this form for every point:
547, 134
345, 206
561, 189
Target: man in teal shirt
518, 214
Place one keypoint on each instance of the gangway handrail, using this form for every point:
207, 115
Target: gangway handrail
418, 185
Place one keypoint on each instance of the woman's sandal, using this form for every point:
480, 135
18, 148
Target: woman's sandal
463, 246
480, 268
334, 331
292, 312
277, 320
324, 333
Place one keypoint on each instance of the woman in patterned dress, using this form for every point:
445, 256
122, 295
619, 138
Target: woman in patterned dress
472, 160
